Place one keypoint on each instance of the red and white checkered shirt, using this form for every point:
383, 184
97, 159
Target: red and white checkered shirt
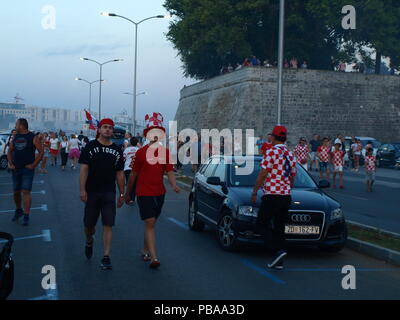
370, 164
301, 152
324, 152
337, 158
274, 162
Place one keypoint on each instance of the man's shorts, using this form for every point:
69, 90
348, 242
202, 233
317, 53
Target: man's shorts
338, 169
370, 175
100, 203
323, 166
313, 156
23, 179
150, 207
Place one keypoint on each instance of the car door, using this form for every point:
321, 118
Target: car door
204, 192
216, 196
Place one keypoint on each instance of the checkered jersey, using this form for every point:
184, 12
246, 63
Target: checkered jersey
337, 158
301, 153
275, 163
324, 152
370, 164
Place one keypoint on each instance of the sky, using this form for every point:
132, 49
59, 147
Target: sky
41, 64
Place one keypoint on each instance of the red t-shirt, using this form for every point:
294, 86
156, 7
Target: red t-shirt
151, 171
266, 147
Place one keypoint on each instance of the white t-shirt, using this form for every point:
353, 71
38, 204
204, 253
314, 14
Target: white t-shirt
54, 143
129, 154
73, 144
64, 144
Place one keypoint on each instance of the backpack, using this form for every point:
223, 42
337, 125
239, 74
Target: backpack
6, 267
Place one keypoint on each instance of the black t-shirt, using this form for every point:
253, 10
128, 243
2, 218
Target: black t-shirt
104, 162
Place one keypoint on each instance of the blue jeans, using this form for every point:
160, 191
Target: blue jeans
23, 179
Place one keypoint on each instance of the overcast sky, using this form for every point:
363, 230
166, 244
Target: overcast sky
41, 64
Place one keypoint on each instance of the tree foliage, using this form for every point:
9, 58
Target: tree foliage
209, 34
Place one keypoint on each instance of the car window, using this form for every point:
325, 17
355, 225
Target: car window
220, 171
203, 167
302, 180
209, 171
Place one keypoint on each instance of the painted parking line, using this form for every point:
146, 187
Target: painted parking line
10, 183
46, 236
11, 194
51, 294
262, 271
43, 207
178, 223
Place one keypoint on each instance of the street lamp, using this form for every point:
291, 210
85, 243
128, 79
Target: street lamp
131, 94
90, 90
101, 74
136, 24
280, 57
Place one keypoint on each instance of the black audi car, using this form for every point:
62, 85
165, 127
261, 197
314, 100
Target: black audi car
221, 197
388, 155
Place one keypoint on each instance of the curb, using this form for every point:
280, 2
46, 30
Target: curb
364, 247
374, 251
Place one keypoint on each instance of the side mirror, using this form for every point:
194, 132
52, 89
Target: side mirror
324, 184
214, 181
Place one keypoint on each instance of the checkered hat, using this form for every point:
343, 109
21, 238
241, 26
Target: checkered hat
153, 121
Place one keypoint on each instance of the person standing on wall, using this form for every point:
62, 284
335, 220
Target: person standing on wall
278, 170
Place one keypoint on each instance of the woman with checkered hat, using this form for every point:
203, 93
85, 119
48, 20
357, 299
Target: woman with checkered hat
151, 162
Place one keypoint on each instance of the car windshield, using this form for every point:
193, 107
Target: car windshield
302, 180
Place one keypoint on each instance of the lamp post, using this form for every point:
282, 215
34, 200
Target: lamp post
90, 90
137, 95
101, 74
136, 24
280, 57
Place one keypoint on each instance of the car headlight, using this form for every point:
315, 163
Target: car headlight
248, 211
337, 214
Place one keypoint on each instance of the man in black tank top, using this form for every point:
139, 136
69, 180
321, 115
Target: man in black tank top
22, 161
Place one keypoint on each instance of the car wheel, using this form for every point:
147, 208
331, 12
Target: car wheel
226, 234
3, 163
194, 223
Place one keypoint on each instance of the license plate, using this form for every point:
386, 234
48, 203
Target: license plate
302, 230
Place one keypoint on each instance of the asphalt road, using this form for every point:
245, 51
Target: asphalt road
380, 209
193, 265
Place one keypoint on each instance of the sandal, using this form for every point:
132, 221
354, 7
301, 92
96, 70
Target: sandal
155, 264
146, 257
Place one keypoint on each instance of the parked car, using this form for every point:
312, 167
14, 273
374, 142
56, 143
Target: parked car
119, 136
388, 154
364, 141
3, 155
220, 197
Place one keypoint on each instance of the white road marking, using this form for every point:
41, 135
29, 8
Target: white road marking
46, 236
10, 183
35, 192
43, 207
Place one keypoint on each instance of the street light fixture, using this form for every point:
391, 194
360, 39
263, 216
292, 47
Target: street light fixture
139, 94
101, 75
90, 89
136, 24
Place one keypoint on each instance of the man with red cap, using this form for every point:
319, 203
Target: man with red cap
102, 163
151, 162
278, 170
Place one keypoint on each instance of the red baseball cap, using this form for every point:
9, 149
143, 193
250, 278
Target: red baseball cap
106, 121
280, 131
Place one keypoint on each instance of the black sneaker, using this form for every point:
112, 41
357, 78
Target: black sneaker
106, 263
26, 220
277, 259
89, 250
18, 214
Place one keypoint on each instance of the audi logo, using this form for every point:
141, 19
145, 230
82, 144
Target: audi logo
301, 218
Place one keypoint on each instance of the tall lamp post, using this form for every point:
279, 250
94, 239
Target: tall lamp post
90, 90
136, 24
101, 74
280, 58
137, 95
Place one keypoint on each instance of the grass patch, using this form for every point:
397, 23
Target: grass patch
374, 237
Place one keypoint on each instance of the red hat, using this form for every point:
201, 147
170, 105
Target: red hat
280, 131
153, 121
106, 121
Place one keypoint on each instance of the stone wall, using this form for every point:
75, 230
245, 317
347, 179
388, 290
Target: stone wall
323, 102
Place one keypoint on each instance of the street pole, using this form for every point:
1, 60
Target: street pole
134, 81
280, 58
101, 80
90, 98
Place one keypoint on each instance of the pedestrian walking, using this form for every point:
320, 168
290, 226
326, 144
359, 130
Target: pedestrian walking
323, 154
151, 162
22, 161
64, 152
315, 143
370, 168
102, 165
259, 143
338, 164
74, 153
46, 152
127, 140
278, 170
356, 149
302, 153
54, 148
129, 160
